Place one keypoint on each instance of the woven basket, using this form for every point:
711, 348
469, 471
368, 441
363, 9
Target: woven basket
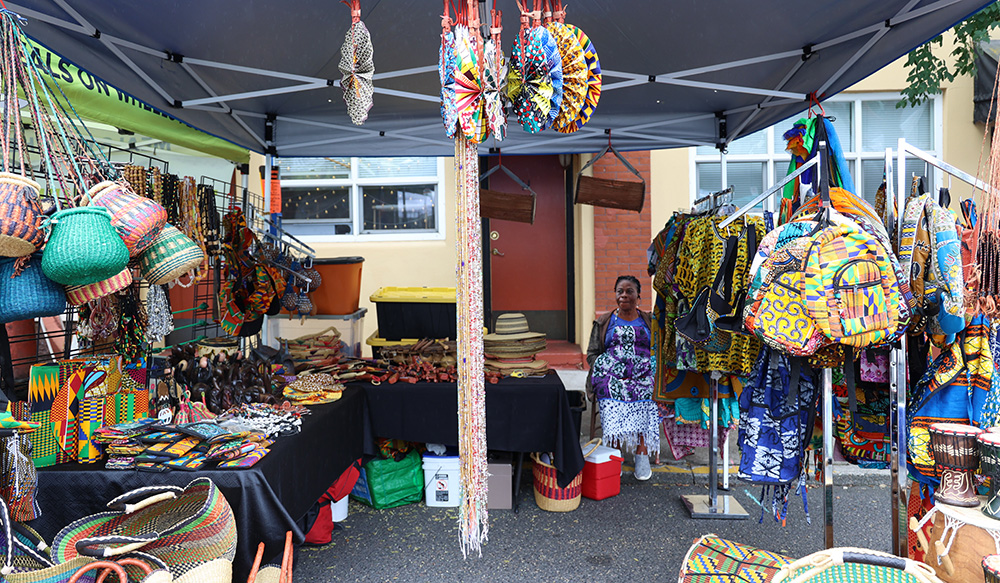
79, 295
29, 295
192, 531
83, 248
171, 255
548, 495
138, 219
857, 565
21, 230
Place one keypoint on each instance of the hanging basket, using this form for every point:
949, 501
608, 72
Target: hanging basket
507, 206
171, 255
138, 219
79, 295
604, 192
21, 230
83, 248
29, 295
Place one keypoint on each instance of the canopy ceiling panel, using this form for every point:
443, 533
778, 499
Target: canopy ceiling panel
675, 73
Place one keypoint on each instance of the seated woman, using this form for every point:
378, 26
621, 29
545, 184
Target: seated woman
621, 376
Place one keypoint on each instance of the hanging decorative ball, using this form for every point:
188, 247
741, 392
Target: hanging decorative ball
304, 304
314, 275
289, 301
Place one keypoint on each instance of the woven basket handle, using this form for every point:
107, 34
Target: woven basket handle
119, 572
823, 560
129, 502
98, 546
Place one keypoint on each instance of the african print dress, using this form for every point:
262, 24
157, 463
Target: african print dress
622, 378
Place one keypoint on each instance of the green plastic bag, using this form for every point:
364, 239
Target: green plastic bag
388, 483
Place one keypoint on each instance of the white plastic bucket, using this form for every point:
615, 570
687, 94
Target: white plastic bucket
442, 480
339, 509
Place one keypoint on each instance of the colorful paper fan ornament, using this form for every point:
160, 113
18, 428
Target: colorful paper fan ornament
447, 63
593, 83
529, 81
553, 60
574, 74
468, 89
494, 73
358, 67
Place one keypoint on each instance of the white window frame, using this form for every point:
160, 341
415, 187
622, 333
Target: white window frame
357, 223
851, 151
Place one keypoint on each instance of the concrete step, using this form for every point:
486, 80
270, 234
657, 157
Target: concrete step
561, 354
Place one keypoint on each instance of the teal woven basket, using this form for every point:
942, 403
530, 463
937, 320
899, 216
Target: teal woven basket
83, 248
29, 295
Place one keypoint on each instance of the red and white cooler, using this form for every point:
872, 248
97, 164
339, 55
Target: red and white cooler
602, 472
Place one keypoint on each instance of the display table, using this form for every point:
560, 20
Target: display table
522, 415
268, 499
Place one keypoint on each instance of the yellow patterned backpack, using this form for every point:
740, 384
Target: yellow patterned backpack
850, 286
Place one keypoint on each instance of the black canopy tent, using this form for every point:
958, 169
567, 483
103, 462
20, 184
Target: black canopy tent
263, 73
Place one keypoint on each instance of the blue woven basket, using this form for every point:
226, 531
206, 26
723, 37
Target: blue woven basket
29, 295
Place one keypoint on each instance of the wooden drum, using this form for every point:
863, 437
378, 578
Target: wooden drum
956, 455
991, 568
989, 462
959, 539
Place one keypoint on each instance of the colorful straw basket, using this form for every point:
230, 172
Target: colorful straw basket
21, 230
191, 530
79, 295
548, 495
171, 255
83, 248
137, 218
29, 295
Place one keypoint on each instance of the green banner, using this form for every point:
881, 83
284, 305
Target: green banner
94, 99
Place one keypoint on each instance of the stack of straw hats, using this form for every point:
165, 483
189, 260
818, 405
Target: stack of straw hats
513, 346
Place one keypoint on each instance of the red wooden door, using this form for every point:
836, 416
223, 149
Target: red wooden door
528, 261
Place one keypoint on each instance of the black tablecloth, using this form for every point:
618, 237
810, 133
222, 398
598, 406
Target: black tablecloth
522, 415
268, 499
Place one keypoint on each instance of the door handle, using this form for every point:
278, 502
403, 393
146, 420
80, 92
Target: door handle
497, 252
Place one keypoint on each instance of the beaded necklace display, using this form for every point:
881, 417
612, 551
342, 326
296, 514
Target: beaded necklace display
170, 199
190, 218
209, 220
473, 517
156, 185
137, 178
132, 322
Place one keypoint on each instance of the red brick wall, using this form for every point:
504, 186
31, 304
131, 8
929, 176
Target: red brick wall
621, 237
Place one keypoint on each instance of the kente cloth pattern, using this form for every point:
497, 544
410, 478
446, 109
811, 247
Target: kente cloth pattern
850, 289
699, 258
468, 88
494, 79
622, 378
940, 396
715, 560
358, 68
447, 63
529, 80
43, 386
574, 74
593, 64
91, 419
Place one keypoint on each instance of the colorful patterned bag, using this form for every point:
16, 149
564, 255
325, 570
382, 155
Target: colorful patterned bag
946, 267
851, 291
716, 560
941, 396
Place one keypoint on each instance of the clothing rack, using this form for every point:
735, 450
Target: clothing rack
898, 365
711, 505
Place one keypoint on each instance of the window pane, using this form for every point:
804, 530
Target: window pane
871, 178
747, 180
883, 124
843, 124
316, 202
397, 167
709, 177
314, 168
755, 143
388, 208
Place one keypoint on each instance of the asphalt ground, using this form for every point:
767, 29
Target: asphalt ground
642, 534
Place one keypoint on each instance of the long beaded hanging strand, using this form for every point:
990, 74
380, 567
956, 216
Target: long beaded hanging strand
473, 516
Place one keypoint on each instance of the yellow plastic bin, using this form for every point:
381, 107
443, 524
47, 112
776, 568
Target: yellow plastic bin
378, 343
340, 292
415, 312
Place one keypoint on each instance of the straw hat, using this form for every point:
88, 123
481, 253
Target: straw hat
534, 366
513, 326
